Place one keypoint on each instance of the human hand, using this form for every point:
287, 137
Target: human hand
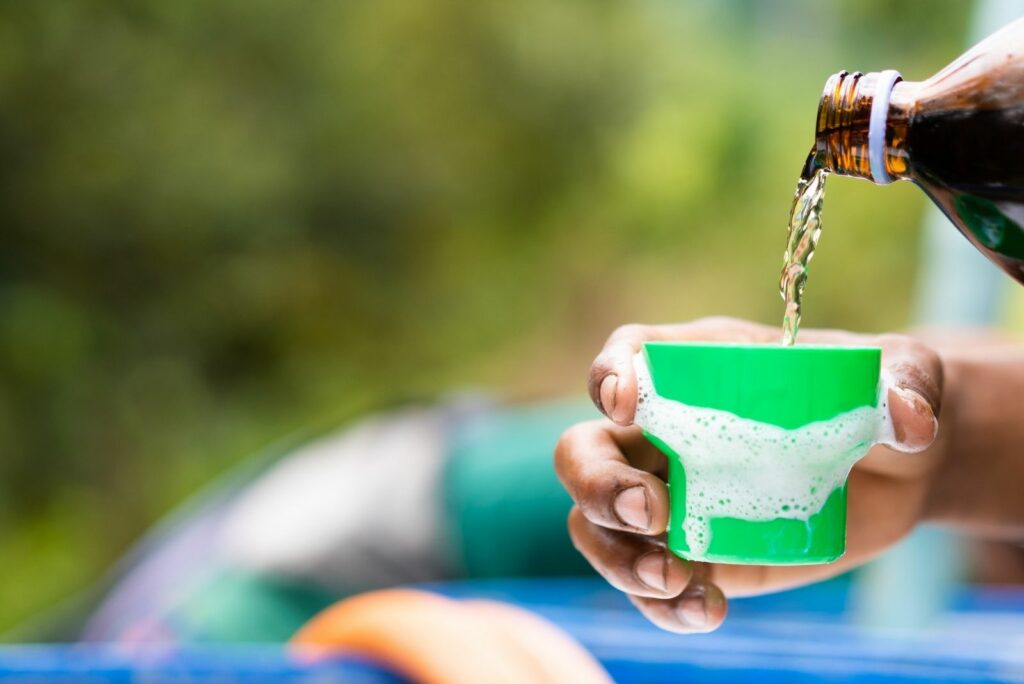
617, 478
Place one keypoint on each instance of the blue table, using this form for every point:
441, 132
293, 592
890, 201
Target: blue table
799, 636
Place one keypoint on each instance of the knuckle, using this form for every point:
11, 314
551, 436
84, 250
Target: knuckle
572, 435
569, 464
565, 445
601, 364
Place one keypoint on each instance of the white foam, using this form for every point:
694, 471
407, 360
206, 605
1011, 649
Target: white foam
746, 469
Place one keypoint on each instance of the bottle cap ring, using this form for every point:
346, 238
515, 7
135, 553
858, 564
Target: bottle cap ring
876, 132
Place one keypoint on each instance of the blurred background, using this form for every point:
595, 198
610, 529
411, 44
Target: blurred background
225, 222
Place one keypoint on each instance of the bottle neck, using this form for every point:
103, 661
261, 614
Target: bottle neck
862, 124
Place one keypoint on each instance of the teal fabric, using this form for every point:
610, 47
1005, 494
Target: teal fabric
506, 508
238, 607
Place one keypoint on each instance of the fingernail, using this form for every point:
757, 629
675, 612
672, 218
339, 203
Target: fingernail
608, 387
631, 508
650, 570
917, 406
692, 610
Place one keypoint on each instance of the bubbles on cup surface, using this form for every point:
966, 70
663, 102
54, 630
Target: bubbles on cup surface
750, 470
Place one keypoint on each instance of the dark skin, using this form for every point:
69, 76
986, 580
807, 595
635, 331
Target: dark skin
962, 470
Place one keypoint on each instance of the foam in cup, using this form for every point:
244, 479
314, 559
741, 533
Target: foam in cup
746, 469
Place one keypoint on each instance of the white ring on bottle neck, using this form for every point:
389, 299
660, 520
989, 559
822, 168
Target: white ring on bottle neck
876, 130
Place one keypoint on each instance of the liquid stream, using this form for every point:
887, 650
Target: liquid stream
804, 233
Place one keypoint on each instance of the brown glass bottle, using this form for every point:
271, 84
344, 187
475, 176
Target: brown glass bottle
958, 135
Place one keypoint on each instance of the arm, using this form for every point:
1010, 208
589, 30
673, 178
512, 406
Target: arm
979, 485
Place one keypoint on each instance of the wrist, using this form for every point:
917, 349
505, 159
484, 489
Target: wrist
938, 507
975, 485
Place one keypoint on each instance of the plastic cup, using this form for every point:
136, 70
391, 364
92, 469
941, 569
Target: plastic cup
788, 387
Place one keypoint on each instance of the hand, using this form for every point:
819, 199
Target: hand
616, 478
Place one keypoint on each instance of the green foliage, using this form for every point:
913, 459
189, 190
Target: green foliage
225, 221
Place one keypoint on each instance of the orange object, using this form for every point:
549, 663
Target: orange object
435, 640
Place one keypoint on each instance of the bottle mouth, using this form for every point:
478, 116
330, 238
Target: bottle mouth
851, 129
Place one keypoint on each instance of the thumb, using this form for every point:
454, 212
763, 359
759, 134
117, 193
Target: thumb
914, 395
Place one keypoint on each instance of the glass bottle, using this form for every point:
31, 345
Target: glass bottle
958, 135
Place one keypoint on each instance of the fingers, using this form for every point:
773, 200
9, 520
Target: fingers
916, 394
672, 593
612, 382
675, 594
607, 489
701, 607
631, 563
617, 506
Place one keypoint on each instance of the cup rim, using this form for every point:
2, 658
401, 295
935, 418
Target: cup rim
762, 345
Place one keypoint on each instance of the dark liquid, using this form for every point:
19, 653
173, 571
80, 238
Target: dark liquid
970, 161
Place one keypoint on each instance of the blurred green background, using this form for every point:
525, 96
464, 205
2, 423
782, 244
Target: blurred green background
225, 222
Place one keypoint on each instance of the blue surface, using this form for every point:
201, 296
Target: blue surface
194, 664
799, 636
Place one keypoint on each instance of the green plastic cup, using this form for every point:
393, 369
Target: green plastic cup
787, 387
